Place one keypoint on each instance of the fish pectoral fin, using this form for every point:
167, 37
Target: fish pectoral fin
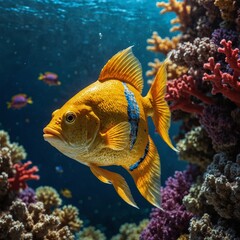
117, 137
117, 181
125, 67
146, 174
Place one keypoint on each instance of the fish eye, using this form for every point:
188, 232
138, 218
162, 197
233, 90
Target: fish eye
70, 117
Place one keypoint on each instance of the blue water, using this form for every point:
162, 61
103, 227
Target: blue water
73, 39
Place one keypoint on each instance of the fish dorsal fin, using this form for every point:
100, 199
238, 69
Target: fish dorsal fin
123, 66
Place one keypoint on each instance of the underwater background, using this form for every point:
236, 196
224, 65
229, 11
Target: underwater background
45, 195
73, 39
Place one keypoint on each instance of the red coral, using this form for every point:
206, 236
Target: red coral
180, 92
223, 82
22, 175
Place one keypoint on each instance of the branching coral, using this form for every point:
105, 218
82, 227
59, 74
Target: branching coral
49, 197
180, 92
173, 220
131, 231
196, 147
173, 70
222, 82
90, 233
182, 10
31, 222
162, 45
22, 174
68, 216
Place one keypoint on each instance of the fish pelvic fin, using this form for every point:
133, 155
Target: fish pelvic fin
123, 66
117, 181
161, 113
146, 174
117, 137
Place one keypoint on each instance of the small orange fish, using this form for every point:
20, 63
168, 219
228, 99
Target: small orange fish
19, 101
66, 193
106, 124
49, 78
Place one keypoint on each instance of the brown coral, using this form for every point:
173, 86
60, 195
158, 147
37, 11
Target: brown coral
182, 10
68, 216
22, 222
49, 197
228, 9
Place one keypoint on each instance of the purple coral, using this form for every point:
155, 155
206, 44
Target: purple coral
28, 196
221, 127
173, 220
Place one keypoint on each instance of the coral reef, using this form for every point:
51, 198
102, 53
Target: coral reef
68, 216
196, 147
206, 98
22, 174
130, 231
90, 233
173, 219
31, 222
49, 197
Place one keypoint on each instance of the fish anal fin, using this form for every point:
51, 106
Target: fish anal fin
123, 66
117, 137
117, 181
146, 175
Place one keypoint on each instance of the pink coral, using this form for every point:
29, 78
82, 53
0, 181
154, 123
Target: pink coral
223, 82
179, 92
18, 181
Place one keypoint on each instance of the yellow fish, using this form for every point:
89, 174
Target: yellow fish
106, 124
66, 193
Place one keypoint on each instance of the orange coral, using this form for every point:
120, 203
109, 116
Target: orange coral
182, 11
173, 70
162, 45
228, 9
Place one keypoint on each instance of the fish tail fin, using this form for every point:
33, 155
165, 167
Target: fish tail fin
29, 100
146, 174
117, 181
161, 114
41, 76
9, 105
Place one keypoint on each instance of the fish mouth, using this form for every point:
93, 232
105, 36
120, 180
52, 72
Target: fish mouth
50, 133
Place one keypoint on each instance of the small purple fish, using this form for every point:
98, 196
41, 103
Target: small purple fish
49, 78
19, 101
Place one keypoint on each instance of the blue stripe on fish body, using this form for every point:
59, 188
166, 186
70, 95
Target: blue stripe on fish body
136, 164
133, 114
